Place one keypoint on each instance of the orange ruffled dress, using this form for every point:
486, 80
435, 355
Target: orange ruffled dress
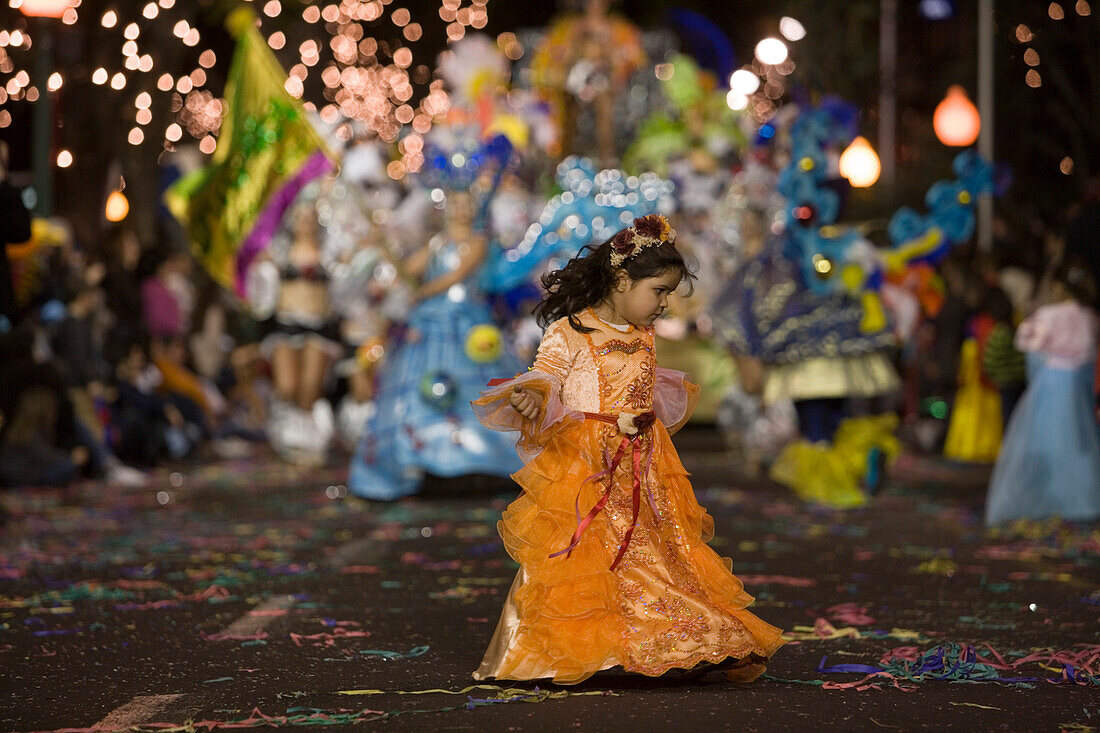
671, 601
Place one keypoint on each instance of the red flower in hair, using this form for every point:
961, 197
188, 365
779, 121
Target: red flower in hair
623, 242
649, 226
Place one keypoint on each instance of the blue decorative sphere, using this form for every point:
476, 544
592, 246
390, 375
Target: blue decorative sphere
439, 390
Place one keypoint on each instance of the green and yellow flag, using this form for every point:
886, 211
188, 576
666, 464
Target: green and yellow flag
267, 152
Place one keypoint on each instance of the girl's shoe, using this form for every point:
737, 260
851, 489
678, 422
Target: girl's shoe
747, 669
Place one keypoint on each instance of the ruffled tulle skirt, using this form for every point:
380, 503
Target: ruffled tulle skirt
672, 602
1049, 464
827, 377
421, 423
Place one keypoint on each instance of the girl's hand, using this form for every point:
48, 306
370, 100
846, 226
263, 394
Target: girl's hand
524, 403
174, 416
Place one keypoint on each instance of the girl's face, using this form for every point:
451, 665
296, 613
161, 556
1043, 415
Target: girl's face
642, 301
459, 210
1059, 292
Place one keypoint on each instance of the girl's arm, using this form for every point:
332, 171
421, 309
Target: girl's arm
553, 359
531, 403
1030, 334
416, 264
472, 260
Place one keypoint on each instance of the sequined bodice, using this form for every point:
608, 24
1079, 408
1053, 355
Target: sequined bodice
606, 370
447, 257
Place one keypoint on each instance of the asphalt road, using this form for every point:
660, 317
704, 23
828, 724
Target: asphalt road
251, 593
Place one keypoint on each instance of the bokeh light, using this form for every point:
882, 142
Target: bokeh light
736, 100
956, 120
791, 29
744, 82
117, 206
771, 51
859, 163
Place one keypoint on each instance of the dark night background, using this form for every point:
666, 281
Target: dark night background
1035, 128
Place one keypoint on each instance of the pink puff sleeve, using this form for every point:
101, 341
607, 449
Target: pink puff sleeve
552, 364
674, 398
1066, 333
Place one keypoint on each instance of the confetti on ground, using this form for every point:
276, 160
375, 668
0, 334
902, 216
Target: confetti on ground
111, 592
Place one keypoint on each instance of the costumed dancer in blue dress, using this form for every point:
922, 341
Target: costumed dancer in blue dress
1049, 464
448, 351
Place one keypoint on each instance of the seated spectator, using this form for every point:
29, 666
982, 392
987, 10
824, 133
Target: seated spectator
150, 424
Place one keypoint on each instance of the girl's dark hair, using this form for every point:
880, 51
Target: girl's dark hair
1075, 277
587, 279
997, 305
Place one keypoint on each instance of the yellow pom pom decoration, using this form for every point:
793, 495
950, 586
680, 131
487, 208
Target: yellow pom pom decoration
484, 343
853, 277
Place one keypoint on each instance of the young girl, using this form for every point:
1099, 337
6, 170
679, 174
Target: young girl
1050, 460
614, 569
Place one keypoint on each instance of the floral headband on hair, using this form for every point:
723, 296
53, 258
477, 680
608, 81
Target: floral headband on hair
647, 231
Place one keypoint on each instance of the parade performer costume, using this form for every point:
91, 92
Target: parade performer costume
611, 542
974, 433
815, 354
446, 353
290, 284
1049, 465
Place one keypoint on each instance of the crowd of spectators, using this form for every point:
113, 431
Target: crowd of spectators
118, 354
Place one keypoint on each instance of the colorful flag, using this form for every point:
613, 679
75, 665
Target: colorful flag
267, 152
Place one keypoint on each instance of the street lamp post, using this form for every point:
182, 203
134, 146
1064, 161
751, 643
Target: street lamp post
888, 91
985, 108
40, 13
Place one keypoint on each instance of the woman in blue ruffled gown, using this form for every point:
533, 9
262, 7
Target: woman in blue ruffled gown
447, 353
1049, 464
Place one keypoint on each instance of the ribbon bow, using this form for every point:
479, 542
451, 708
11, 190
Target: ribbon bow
633, 428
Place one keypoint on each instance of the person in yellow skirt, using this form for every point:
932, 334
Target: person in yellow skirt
614, 566
974, 433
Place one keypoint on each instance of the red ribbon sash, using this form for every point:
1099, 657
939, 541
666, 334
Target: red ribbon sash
635, 443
